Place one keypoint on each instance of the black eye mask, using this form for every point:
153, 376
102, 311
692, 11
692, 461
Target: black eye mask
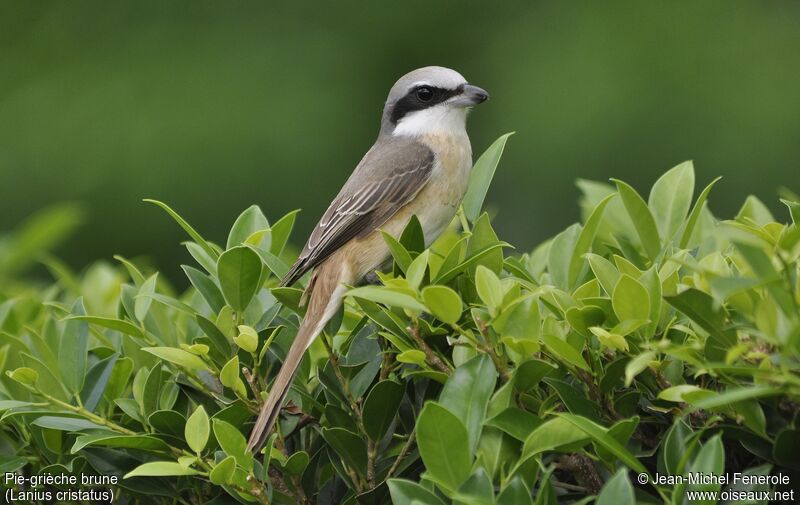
412, 102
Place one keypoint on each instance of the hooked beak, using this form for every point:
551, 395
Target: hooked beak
471, 95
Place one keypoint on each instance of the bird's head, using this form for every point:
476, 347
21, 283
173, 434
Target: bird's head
430, 100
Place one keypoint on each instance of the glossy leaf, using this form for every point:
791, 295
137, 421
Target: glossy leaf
239, 270
444, 446
481, 177
197, 430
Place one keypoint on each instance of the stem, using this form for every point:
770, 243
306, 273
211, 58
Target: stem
88, 415
499, 363
403, 452
432, 357
252, 382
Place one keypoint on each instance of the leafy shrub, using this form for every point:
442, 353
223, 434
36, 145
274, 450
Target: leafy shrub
650, 338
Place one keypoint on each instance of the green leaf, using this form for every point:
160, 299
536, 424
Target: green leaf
197, 430
186, 227
584, 242
482, 237
794, 210
489, 288
144, 299
467, 392
120, 325
564, 351
630, 299
443, 302
416, 270
637, 365
201, 257
160, 469
139, 442
167, 422
516, 493
406, 491
676, 393
239, 270
605, 272
554, 434
710, 460
24, 375
671, 198
734, 395
401, 256
755, 211
600, 436
762, 266
481, 177
151, 390
178, 357
652, 283
617, 490
387, 296
273, 263
380, 407
520, 320
695, 214
643, 221
559, 255
528, 374
412, 356
516, 422
74, 348
247, 338
206, 287
133, 271
229, 375
413, 236
296, 463
443, 444
233, 443
222, 473
97, 378
610, 339
281, 231
478, 489
66, 423
349, 446
701, 308
250, 221
674, 448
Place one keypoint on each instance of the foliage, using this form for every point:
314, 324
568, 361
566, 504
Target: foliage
650, 338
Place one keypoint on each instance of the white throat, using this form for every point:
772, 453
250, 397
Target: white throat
441, 119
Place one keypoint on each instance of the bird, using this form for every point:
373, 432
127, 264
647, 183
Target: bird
418, 166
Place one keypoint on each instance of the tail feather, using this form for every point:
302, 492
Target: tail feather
326, 296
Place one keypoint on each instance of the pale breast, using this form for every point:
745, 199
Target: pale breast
435, 205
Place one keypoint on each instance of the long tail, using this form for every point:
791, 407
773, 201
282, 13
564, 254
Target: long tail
325, 298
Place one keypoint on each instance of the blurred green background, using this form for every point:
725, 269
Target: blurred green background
211, 106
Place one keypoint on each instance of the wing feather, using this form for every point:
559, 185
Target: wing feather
390, 176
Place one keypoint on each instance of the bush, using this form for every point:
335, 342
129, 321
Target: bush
650, 339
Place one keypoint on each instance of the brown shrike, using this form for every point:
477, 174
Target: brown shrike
419, 165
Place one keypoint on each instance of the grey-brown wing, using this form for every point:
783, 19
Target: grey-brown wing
389, 176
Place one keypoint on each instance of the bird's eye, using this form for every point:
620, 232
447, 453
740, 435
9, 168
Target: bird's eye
424, 93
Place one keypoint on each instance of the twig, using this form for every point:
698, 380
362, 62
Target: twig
406, 447
499, 363
432, 357
253, 383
